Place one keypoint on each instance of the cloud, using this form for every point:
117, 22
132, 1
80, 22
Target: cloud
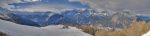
31, 0
45, 7
73, 0
117, 5
4, 3
139, 6
50, 5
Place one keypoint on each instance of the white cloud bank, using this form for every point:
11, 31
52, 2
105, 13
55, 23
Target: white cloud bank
139, 6
4, 3
13, 29
45, 7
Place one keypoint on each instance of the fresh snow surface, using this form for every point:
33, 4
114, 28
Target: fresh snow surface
147, 34
13, 29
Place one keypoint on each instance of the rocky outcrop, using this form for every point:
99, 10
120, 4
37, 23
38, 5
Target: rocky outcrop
3, 34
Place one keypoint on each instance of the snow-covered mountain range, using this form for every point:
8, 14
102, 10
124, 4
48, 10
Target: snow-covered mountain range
72, 17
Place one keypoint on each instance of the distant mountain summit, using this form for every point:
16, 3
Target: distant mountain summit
143, 18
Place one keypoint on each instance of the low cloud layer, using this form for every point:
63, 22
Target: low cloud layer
139, 6
44, 8
48, 5
4, 3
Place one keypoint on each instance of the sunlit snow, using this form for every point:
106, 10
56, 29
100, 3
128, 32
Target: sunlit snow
147, 34
13, 29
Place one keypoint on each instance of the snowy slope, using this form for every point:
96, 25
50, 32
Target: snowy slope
147, 34
13, 29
